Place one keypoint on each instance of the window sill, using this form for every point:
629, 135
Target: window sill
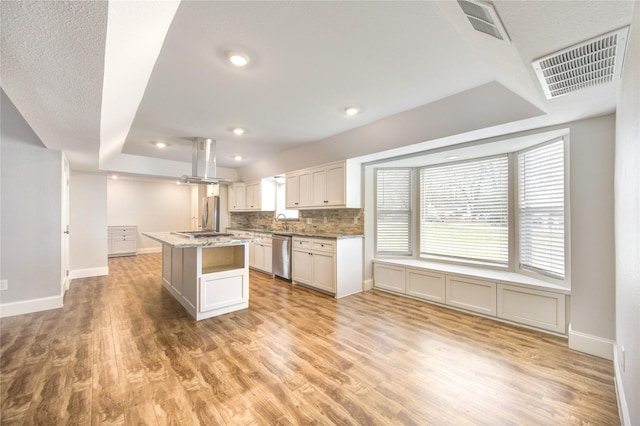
502, 277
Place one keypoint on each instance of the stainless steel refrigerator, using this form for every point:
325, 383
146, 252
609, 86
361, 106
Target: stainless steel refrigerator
210, 213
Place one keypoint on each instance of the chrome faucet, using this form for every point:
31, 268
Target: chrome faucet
284, 220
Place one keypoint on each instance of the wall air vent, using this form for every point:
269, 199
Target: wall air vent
484, 18
586, 64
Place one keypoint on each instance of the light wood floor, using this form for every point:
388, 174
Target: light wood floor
122, 351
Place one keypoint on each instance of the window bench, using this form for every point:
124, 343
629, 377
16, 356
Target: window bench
505, 295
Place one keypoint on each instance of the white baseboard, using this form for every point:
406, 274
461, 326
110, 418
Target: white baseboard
592, 345
623, 408
150, 250
368, 284
89, 272
30, 306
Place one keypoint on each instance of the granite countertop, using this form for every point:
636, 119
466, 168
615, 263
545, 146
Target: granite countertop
298, 233
180, 241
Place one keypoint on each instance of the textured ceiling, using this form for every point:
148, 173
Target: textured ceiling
103, 92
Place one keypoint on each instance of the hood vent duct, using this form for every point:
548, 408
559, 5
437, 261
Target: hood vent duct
203, 165
587, 64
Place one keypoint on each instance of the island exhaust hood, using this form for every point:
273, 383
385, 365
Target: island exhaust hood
203, 163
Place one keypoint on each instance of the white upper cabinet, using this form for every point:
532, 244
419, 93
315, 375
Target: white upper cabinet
335, 185
253, 196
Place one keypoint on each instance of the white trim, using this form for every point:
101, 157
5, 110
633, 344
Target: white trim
150, 250
367, 284
88, 272
30, 306
623, 407
592, 345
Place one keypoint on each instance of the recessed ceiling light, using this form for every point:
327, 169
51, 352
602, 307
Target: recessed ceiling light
451, 157
160, 144
351, 110
114, 176
238, 59
239, 131
238, 158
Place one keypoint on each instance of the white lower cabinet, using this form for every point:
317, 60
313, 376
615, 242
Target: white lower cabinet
426, 285
502, 298
536, 308
330, 265
122, 240
260, 255
471, 294
389, 277
314, 263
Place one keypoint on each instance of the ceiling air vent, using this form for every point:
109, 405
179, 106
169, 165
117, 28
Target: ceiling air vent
484, 18
587, 64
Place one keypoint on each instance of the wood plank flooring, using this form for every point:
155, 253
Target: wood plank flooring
123, 351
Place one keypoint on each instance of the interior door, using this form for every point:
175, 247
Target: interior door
64, 281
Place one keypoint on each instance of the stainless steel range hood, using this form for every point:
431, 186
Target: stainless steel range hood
203, 163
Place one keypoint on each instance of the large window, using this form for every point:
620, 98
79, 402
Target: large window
393, 211
541, 208
506, 211
464, 210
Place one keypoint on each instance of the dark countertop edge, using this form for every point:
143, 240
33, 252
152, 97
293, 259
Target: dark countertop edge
298, 234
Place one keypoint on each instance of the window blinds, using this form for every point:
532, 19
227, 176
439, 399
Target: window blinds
393, 211
464, 210
541, 208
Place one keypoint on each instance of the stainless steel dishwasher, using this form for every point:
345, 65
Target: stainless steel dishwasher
281, 256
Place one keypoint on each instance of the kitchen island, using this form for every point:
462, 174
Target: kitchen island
208, 276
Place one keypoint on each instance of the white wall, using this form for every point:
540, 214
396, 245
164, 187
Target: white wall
88, 224
627, 231
31, 228
151, 206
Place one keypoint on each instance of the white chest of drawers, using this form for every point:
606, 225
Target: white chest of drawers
122, 240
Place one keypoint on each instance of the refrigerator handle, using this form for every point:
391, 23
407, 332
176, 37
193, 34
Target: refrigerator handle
205, 213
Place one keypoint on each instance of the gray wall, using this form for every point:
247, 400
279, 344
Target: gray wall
88, 223
627, 230
31, 228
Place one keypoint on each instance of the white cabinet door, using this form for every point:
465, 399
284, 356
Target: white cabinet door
536, 308
252, 255
253, 196
335, 185
304, 179
319, 187
292, 186
238, 197
268, 259
388, 277
426, 285
471, 294
259, 256
324, 270
302, 264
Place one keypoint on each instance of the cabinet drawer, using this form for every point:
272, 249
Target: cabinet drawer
426, 285
299, 243
323, 245
471, 294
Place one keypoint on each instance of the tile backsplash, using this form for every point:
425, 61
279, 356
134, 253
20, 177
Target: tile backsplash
338, 221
